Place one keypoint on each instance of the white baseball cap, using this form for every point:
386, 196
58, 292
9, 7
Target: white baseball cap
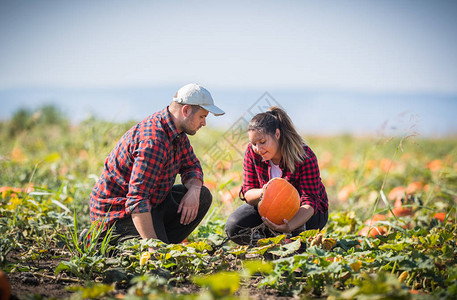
193, 94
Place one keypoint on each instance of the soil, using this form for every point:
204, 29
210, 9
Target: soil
25, 285
42, 283
28, 286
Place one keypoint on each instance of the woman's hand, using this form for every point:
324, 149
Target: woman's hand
305, 212
284, 228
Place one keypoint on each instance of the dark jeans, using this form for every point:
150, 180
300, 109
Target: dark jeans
165, 218
240, 224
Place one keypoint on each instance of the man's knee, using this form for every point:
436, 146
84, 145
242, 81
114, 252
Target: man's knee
205, 198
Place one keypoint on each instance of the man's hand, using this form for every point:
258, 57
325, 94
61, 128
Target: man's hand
190, 202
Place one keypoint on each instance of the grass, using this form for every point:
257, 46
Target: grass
48, 168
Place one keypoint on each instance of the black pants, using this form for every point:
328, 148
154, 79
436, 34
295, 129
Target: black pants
165, 218
240, 223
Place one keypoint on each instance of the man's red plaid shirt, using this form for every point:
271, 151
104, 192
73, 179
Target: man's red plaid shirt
306, 178
141, 169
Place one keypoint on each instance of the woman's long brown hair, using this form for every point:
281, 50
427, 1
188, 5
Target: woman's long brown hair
290, 142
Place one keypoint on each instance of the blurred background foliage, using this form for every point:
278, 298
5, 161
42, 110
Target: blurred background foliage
42, 148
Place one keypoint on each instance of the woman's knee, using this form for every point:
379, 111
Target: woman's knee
317, 221
234, 228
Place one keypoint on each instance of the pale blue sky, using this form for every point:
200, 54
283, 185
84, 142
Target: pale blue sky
336, 66
393, 45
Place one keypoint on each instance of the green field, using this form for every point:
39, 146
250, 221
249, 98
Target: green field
48, 168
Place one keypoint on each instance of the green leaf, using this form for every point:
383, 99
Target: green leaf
433, 239
169, 265
93, 290
261, 250
386, 202
220, 284
347, 244
200, 246
222, 186
446, 236
33, 202
425, 264
36, 193
338, 267
60, 205
447, 251
239, 250
61, 267
384, 198
316, 251
287, 248
422, 240
52, 157
65, 265
273, 240
293, 246
257, 266
309, 233
395, 247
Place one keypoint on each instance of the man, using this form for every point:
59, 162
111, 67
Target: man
136, 193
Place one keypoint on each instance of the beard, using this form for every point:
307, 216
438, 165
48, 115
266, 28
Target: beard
189, 131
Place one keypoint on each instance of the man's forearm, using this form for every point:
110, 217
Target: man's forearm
144, 225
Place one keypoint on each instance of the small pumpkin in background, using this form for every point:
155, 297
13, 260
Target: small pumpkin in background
375, 219
401, 211
373, 231
280, 200
441, 216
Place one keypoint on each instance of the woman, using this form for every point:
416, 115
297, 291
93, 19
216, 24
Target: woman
275, 149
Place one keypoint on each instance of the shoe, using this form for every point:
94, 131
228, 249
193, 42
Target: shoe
302, 248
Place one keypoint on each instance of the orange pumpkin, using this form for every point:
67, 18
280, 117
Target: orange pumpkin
346, 191
402, 211
9, 189
373, 231
440, 216
375, 219
399, 210
414, 187
397, 192
280, 201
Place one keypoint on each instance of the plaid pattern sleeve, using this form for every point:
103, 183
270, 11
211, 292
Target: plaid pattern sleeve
306, 178
149, 160
308, 182
255, 172
250, 173
190, 165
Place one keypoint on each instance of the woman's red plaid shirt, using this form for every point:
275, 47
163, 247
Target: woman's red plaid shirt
306, 178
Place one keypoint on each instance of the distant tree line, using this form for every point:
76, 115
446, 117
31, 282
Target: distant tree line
25, 119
